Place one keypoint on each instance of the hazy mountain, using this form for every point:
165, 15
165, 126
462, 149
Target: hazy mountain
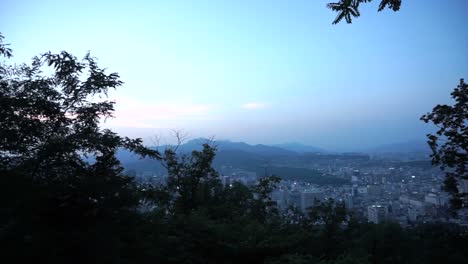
226, 145
237, 154
253, 157
257, 149
298, 147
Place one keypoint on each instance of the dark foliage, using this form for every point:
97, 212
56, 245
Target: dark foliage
450, 143
348, 9
55, 205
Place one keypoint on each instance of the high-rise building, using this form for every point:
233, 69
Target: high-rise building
413, 213
226, 180
279, 196
463, 186
349, 201
433, 199
308, 197
294, 199
377, 213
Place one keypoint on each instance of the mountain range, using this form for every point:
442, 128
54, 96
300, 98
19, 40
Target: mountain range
249, 157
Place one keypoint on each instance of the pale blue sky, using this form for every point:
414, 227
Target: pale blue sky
259, 71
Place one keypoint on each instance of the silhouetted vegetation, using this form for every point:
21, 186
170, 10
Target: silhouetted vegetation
450, 143
348, 9
58, 206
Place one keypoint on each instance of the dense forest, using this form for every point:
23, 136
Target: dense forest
65, 197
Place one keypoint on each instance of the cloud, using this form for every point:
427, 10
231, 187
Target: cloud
134, 113
253, 105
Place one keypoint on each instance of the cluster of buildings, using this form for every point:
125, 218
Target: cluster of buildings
406, 193
300, 198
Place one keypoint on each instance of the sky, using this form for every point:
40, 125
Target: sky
263, 71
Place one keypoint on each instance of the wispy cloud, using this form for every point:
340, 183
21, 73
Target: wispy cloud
253, 105
133, 113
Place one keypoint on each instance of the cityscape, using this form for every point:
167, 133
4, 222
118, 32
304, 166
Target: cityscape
397, 187
234, 131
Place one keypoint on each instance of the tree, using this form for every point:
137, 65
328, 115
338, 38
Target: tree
63, 191
450, 143
327, 219
263, 206
192, 179
350, 8
4, 50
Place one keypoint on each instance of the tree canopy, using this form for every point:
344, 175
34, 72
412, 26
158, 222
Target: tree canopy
450, 143
348, 9
62, 185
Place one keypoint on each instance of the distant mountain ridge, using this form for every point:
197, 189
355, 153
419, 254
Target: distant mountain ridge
274, 149
223, 147
227, 145
231, 156
299, 148
257, 149
240, 152
236, 154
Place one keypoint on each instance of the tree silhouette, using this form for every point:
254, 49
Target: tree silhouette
348, 9
4, 50
63, 191
450, 143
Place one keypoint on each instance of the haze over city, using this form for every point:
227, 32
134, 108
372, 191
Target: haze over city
259, 71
